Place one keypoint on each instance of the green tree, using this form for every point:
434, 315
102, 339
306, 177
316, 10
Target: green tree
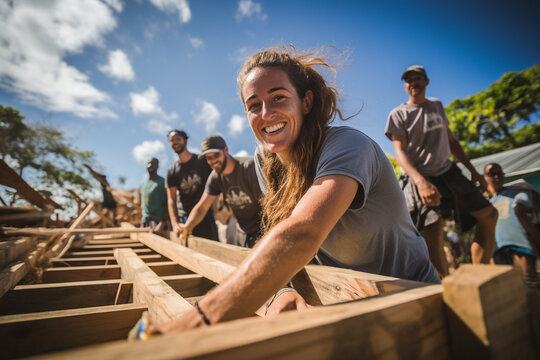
41, 153
493, 114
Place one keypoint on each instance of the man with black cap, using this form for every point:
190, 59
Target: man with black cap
237, 180
433, 185
187, 177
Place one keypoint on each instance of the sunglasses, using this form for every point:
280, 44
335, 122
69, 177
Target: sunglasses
495, 173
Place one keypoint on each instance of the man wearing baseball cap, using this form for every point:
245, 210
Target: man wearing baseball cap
236, 179
433, 185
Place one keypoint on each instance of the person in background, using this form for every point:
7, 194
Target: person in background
330, 191
433, 185
515, 233
236, 179
187, 177
153, 199
108, 205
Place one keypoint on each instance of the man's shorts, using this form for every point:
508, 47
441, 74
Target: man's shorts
459, 198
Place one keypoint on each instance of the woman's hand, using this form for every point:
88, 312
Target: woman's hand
287, 301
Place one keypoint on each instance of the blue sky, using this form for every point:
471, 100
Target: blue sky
115, 75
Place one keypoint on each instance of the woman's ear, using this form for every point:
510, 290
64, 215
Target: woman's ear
307, 102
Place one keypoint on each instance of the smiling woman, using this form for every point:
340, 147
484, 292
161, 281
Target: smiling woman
330, 193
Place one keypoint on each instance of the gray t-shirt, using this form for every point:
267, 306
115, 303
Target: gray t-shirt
426, 129
375, 234
241, 191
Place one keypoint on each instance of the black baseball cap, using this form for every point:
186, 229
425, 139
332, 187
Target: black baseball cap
415, 68
212, 143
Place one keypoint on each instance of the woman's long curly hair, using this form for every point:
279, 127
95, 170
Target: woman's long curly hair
287, 183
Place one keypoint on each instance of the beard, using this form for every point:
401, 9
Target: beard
219, 169
180, 149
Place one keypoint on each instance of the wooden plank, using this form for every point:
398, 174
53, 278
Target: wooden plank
81, 254
98, 241
57, 246
11, 275
408, 325
100, 247
33, 216
100, 260
30, 334
11, 179
12, 250
104, 218
43, 231
319, 285
71, 295
164, 304
105, 272
488, 317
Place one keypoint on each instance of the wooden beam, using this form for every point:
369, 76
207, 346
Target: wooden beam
30, 216
56, 245
408, 325
320, 285
100, 260
42, 231
11, 275
109, 247
31, 334
82, 254
488, 315
106, 272
164, 304
11, 179
71, 295
12, 250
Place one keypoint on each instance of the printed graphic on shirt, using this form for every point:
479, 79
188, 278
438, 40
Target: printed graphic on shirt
503, 207
235, 197
190, 183
432, 121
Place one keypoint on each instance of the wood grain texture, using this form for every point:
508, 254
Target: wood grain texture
30, 334
409, 325
488, 314
164, 304
43, 231
12, 250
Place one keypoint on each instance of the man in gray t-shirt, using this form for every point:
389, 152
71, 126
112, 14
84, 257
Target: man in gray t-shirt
434, 187
237, 180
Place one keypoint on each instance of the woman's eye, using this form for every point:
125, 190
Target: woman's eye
278, 98
253, 106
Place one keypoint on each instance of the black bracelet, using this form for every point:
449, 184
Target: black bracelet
205, 319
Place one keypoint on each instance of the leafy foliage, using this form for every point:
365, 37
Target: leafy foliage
41, 152
484, 122
395, 165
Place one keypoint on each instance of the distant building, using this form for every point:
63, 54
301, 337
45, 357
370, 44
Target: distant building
520, 163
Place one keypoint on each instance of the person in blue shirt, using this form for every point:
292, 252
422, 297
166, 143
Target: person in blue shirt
514, 232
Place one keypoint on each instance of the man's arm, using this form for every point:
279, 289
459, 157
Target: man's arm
199, 211
427, 191
280, 254
532, 232
459, 154
99, 177
172, 207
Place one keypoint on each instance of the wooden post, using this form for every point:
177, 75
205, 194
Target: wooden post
164, 304
487, 313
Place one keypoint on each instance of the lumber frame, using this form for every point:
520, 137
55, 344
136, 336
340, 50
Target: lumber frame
42, 231
30, 334
11, 179
56, 244
100, 260
12, 250
76, 254
71, 295
11, 275
105, 272
408, 325
488, 315
164, 304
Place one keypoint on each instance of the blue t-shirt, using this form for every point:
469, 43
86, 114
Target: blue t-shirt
509, 230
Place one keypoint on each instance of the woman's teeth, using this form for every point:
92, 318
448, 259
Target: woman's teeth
274, 128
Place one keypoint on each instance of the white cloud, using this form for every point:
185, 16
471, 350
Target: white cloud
171, 6
196, 42
249, 9
146, 102
118, 67
115, 4
208, 114
158, 127
36, 36
237, 124
242, 153
148, 149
